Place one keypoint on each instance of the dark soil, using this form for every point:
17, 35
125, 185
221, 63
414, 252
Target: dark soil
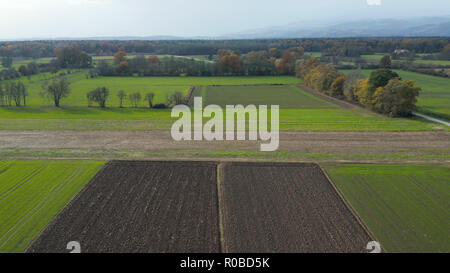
141, 207
285, 208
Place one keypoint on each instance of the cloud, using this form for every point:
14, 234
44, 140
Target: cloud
373, 2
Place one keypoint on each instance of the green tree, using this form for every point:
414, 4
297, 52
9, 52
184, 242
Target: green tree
397, 98
56, 90
22, 92
386, 62
446, 52
258, 63
23, 70
7, 61
380, 77
99, 96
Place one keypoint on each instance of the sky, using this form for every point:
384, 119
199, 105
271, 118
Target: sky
21, 19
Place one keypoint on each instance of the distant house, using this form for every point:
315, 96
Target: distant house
401, 51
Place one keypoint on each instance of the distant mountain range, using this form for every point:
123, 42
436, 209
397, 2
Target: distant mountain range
414, 27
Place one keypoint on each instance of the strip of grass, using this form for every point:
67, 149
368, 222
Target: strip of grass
286, 96
83, 118
174, 154
32, 193
405, 206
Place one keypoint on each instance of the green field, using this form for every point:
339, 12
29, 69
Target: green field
434, 99
17, 62
314, 54
287, 97
299, 111
434, 62
405, 206
160, 86
32, 193
377, 57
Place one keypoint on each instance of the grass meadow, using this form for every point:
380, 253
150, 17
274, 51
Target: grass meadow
300, 111
405, 206
160, 86
32, 193
377, 57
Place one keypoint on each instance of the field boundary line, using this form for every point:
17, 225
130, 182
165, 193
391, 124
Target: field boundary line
37, 208
220, 207
53, 221
351, 208
188, 97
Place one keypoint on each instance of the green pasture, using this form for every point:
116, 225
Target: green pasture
32, 193
286, 96
160, 86
405, 206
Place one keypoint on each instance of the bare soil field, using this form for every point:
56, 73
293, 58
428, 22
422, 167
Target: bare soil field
159, 144
284, 208
140, 207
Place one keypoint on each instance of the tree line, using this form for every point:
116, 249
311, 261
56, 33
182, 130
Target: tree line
100, 96
225, 63
337, 46
13, 94
384, 91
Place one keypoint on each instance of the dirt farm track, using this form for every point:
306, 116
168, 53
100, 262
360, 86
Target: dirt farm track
191, 207
145, 144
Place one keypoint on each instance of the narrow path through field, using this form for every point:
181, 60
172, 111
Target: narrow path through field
431, 119
151, 144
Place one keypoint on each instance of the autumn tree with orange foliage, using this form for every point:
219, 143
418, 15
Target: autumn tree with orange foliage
120, 57
231, 63
288, 60
304, 67
153, 60
123, 68
337, 87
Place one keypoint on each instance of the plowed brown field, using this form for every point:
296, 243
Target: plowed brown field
285, 208
141, 207
133, 206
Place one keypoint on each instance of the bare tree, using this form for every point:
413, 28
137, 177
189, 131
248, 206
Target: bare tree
175, 98
135, 98
122, 95
149, 98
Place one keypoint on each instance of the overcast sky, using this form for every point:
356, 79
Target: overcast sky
89, 18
